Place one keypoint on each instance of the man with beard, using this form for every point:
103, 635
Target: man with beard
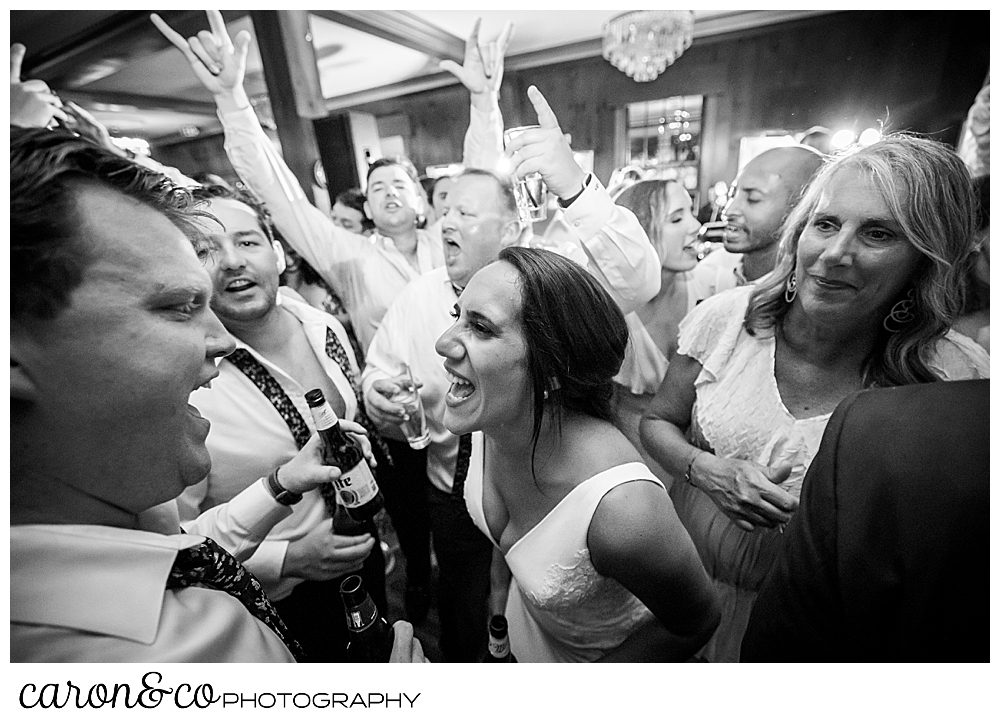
260, 419
762, 195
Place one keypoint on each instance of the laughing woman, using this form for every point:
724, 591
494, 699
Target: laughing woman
602, 568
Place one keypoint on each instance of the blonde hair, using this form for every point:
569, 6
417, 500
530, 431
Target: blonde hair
929, 192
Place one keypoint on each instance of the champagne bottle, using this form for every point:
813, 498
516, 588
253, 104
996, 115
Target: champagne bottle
499, 647
357, 489
369, 637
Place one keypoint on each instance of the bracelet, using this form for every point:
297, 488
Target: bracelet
687, 475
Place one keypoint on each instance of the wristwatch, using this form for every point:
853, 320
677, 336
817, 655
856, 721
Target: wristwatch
281, 495
567, 202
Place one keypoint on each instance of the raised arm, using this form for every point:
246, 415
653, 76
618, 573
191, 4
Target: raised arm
606, 239
220, 64
481, 73
32, 103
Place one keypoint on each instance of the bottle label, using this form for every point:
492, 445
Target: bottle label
356, 486
324, 417
499, 648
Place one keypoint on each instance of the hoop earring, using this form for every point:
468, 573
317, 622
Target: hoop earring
791, 288
901, 312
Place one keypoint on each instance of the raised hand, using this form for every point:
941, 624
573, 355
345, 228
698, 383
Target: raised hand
482, 69
32, 104
218, 62
545, 150
89, 127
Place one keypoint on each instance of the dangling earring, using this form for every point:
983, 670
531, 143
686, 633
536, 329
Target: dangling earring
791, 287
901, 312
552, 386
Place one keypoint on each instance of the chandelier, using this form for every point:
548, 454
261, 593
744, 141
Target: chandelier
642, 43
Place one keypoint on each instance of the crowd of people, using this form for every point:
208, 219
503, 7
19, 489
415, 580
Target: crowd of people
776, 452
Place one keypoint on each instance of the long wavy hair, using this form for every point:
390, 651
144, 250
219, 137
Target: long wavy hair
929, 192
649, 201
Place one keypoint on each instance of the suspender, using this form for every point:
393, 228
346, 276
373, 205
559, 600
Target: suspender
279, 399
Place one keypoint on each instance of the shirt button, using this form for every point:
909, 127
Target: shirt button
577, 224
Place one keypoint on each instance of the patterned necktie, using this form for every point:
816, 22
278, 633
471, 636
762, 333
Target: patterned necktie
271, 389
462, 464
208, 565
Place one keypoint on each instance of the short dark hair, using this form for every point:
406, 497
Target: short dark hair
401, 161
206, 193
428, 183
48, 169
575, 334
505, 188
354, 198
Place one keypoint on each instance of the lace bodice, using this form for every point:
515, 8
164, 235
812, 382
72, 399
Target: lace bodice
560, 609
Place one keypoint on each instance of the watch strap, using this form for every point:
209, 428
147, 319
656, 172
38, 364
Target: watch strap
281, 495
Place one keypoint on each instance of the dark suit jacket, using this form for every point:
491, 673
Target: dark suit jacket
887, 557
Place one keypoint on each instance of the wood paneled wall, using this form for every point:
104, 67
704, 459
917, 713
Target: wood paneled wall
917, 71
910, 70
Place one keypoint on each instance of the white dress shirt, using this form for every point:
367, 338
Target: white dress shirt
717, 272
604, 238
249, 439
367, 273
88, 594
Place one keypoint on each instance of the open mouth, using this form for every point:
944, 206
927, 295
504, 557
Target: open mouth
461, 389
239, 285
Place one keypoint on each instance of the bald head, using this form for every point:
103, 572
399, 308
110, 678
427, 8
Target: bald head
764, 192
793, 165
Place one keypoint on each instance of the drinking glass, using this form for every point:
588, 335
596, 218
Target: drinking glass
415, 426
531, 192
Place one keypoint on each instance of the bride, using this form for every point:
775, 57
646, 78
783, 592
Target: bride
601, 567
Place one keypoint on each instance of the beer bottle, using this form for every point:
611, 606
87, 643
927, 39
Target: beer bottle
499, 647
369, 637
357, 489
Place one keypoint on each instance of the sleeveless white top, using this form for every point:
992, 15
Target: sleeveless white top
559, 608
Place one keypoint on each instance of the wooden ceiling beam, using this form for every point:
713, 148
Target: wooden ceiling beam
402, 28
142, 102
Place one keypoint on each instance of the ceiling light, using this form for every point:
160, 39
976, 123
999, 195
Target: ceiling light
643, 43
842, 139
869, 136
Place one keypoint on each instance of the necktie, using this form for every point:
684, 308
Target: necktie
208, 565
462, 464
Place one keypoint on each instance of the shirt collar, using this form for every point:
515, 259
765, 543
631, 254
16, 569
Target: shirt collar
102, 580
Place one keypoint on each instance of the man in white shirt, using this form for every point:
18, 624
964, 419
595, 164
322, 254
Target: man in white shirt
284, 348
367, 273
761, 197
110, 333
482, 219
